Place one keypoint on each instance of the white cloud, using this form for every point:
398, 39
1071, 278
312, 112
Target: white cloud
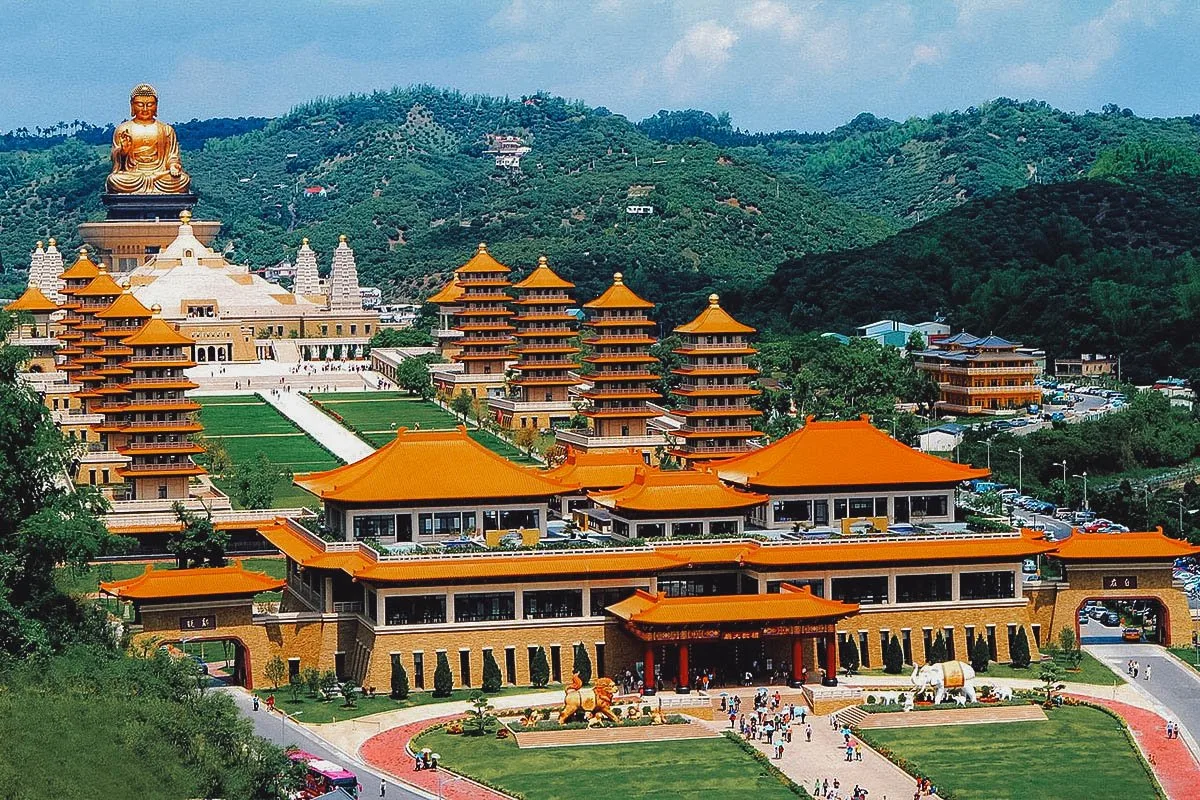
704, 48
1096, 42
770, 15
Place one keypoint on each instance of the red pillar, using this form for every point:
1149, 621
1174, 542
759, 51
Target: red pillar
797, 661
648, 662
681, 686
831, 661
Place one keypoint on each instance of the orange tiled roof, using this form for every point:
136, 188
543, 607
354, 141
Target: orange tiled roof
157, 333
597, 469
792, 603
850, 453
33, 301
125, 307
714, 320
1137, 546
618, 296
450, 293
543, 277
83, 268
428, 466
482, 261
100, 286
166, 584
672, 491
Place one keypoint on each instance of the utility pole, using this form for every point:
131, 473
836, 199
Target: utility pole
1085, 499
1020, 454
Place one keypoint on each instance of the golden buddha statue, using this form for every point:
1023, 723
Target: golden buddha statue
145, 152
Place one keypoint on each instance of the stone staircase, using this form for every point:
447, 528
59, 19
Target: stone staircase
285, 351
853, 716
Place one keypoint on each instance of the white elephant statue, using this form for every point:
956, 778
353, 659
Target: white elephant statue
1002, 692
944, 677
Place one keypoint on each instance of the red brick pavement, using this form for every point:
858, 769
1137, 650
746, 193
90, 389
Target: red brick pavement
1172, 762
388, 752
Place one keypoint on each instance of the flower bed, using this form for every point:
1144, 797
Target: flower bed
893, 708
515, 725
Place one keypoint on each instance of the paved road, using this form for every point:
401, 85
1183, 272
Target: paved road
340, 441
1174, 687
274, 728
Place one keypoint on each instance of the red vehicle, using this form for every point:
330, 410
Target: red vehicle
323, 776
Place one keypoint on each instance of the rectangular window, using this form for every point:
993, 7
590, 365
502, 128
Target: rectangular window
924, 588
723, 527
484, 607
1012, 636
553, 604
375, 526
948, 633
906, 645
884, 639
1037, 635
339, 665
792, 510
532, 654
991, 631
603, 598
293, 668
869, 591
512, 519
881, 509
700, 585
404, 531
820, 512
987, 585
932, 505
415, 609
927, 634
900, 514
651, 530
815, 585
839, 508
418, 670
683, 529
510, 665
864, 650
464, 667
372, 604
862, 507
556, 663
970, 629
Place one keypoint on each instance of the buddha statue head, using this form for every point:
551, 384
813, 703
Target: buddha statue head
143, 103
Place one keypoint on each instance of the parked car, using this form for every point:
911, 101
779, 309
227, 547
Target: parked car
1001, 425
1019, 422
1110, 619
1132, 634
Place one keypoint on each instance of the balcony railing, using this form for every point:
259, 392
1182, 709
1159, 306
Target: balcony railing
713, 450
1029, 370
158, 445
159, 423
167, 467
348, 607
715, 346
160, 359
605, 390
951, 388
717, 430
714, 409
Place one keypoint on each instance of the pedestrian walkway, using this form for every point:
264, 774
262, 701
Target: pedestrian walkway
339, 441
808, 763
1172, 761
389, 752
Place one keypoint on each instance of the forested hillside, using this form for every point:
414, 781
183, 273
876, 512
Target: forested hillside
407, 178
1092, 266
913, 170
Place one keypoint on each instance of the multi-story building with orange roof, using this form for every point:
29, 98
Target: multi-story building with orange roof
714, 390
546, 351
32, 330
445, 335
981, 375
484, 319
620, 334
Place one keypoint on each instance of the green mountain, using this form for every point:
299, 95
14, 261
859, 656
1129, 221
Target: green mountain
407, 177
913, 170
1087, 266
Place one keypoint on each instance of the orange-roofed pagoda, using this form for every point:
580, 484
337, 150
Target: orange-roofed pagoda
484, 320
581, 472
33, 310
546, 354
714, 390
620, 334
445, 335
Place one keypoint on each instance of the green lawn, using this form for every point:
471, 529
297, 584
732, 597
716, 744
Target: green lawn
1079, 754
84, 581
374, 416
1090, 671
497, 445
702, 768
1187, 655
247, 425
314, 711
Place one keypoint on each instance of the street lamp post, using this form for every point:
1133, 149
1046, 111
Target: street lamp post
1062, 464
988, 442
1181, 506
1085, 499
283, 721
1020, 454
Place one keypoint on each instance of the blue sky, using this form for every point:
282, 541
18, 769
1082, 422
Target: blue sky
772, 64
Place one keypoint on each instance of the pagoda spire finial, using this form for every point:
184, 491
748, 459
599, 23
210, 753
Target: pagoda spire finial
618, 279
482, 247
714, 300
541, 261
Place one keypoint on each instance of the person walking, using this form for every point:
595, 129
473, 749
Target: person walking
857, 751
383, 787
808, 733
1147, 670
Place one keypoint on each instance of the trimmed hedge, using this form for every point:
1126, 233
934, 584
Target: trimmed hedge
768, 767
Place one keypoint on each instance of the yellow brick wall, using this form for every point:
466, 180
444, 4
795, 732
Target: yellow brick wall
958, 618
1057, 607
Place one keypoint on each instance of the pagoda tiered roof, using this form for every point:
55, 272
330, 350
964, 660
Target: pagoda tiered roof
449, 294
126, 306
597, 469
791, 603
1134, 546
83, 268
842, 453
32, 301
157, 333
714, 320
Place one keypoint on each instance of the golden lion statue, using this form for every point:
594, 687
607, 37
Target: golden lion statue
595, 702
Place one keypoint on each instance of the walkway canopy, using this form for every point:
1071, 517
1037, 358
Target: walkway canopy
795, 611
191, 584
